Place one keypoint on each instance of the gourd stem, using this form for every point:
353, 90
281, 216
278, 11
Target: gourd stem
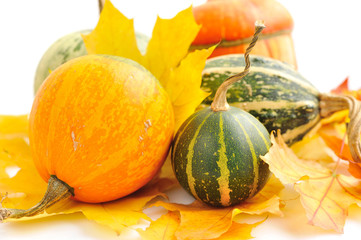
220, 99
101, 5
330, 103
57, 190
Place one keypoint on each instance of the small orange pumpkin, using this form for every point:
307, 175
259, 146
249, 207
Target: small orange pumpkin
230, 23
101, 126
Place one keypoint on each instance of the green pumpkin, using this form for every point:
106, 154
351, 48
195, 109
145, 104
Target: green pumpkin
274, 92
216, 152
216, 156
69, 47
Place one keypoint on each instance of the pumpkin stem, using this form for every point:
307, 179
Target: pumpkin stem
101, 5
220, 99
57, 190
332, 103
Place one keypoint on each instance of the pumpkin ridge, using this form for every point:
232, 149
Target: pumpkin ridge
189, 170
59, 168
205, 159
246, 116
88, 122
179, 133
223, 179
50, 162
254, 156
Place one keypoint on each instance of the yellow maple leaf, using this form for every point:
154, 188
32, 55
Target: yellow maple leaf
12, 126
15, 155
163, 228
200, 221
113, 35
166, 227
239, 231
325, 193
167, 57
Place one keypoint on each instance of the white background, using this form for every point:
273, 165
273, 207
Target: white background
328, 49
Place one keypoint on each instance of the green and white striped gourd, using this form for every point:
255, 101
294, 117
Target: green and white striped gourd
68, 47
216, 152
274, 92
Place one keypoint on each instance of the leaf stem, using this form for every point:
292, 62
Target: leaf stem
101, 5
57, 190
220, 99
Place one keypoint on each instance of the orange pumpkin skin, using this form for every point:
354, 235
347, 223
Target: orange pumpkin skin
230, 23
101, 124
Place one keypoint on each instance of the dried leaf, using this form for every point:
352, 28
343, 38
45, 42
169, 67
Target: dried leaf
15, 157
163, 228
337, 117
113, 35
199, 221
120, 214
13, 126
170, 42
312, 148
326, 200
338, 145
183, 85
343, 87
342, 150
239, 231
167, 57
355, 169
325, 193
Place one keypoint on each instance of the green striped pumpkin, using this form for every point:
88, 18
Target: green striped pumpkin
274, 92
215, 156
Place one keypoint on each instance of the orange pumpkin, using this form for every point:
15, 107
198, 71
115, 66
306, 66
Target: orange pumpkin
230, 23
102, 125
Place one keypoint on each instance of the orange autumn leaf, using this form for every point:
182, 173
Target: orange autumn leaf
342, 150
337, 117
332, 133
305, 149
166, 226
167, 56
338, 145
325, 193
327, 200
355, 169
239, 231
120, 214
343, 89
163, 228
200, 221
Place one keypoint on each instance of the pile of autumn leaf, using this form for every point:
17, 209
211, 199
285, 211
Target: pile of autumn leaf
318, 172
